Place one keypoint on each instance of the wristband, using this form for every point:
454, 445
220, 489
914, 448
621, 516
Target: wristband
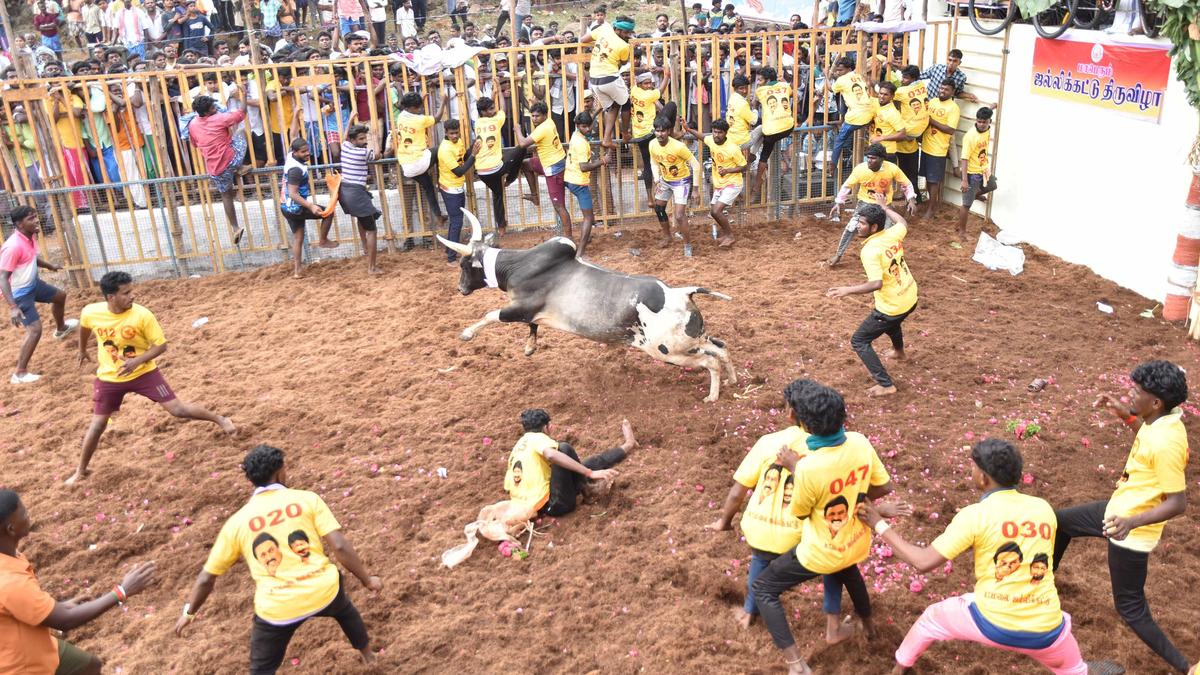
1129, 421
187, 607
119, 591
881, 527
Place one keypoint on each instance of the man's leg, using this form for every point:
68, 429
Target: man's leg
1062, 657
297, 251
1127, 570
935, 197
873, 326
589, 217
531, 174
323, 233
33, 335
1084, 520
268, 645
454, 204
660, 212
942, 621
565, 486
91, 439
431, 199
681, 226
495, 185
895, 332
759, 561
231, 216
610, 124
831, 607
191, 411
783, 574
346, 614
852, 579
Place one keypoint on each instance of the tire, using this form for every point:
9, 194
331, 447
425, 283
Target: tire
1087, 14
992, 28
1151, 22
1053, 22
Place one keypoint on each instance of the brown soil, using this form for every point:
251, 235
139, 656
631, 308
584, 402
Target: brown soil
365, 383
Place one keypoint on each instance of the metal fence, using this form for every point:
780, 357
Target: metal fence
102, 158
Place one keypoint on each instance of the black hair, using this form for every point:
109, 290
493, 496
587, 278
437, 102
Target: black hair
846, 63
262, 463
539, 107
80, 65
822, 410
660, 15
720, 125
999, 459
741, 81
113, 50
209, 77
793, 395
298, 535
204, 105
112, 282
768, 74
450, 124
9, 501
955, 54
911, 72
356, 131
299, 143
1041, 558
983, 114
876, 150
892, 87
1163, 380
663, 123
584, 119
1009, 547
534, 419
190, 51
20, 213
262, 538
483, 103
839, 500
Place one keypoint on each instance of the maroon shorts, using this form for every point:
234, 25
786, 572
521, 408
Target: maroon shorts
107, 396
555, 185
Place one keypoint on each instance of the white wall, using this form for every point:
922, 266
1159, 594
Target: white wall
1088, 185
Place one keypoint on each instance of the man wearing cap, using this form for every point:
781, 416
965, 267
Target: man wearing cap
610, 51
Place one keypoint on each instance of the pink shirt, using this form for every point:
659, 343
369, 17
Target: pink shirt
211, 135
19, 256
349, 9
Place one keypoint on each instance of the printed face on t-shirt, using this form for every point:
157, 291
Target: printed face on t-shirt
1037, 571
518, 472
1007, 560
298, 542
770, 481
788, 488
836, 514
266, 551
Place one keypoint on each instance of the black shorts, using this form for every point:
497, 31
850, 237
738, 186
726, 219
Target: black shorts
933, 168
258, 143
769, 141
366, 223
298, 221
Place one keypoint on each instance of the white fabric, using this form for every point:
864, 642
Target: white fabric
498, 522
430, 59
727, 195
996, 256
414, 169
489, 267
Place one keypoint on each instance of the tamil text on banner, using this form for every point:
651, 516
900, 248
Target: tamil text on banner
1131, 80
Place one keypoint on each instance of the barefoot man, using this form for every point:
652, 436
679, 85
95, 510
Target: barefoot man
728, 165
548, 475
120, 324
279, 534
892, 284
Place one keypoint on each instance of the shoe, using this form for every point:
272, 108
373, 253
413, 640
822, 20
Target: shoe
27, 378
72, 326
687, 250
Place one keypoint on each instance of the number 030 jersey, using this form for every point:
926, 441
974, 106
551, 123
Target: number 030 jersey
830, 482
1013, 538
279, 533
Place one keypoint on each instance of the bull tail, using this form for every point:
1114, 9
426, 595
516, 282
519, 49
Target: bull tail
693, 290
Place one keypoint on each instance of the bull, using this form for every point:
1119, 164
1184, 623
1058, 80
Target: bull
548, 286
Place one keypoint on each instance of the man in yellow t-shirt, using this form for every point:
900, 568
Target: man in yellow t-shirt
675, 172
778, 117
281, 534
454, 161
728, 165
890, 281
1152, 490
578, 174
874, 176
935, 142
646, 100
610, 51
911, 97
550, 161
1014, 605
976, 169
839, 471
547, 476
411, 126
122, 329
740, 116
496, 165
887, 127
860, 107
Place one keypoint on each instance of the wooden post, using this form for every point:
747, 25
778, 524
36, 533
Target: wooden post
24, 66
255, 52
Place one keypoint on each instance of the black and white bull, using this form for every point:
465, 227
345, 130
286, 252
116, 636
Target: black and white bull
549, 286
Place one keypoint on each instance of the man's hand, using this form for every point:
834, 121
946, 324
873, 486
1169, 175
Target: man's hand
837, 292
911, 207
649, 203
964, 185
722, 171
183, 622
16, 316
373, 583
880, 198
476, 146
718, 525
1113, 405
1117, 528
787, 458
835, 211
894, 509
138, 578
603, 474
84, 358
314, 209
128, 367
868, 513
875, 138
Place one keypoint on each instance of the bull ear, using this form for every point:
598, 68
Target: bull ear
476, 228
461, 249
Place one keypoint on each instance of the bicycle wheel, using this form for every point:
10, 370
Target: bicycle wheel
1053, 22
1151, 21
991, 27
1088, 14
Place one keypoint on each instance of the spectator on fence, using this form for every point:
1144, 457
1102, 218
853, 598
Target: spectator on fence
454, 162
951, 72
860, 108
742, 119
610, 52
297, 206
778, 117
647, 106
578, 176
911, 97
22, 290
496, 165
977, 179
281, 108
887, 125
549, 160
66, 109
282, 534
935, 142
21, 139
28, 614
412, 127
353, 195
222, 151
128, 141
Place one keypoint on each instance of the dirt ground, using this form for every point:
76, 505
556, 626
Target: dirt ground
366, 385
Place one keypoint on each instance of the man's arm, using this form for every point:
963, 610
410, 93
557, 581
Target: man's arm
146, 356
344, 551
1172, 505
600, 161
85, 334
733, 503
200, 592
557, 458
923, 558
69, 615
47, 265
941, 127
468, 160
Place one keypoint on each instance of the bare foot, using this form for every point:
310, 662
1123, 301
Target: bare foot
742, 617
244, 169
982, 198
881, 391
327, 244
833, 262
533, 199
843, 632
226, 425
375, 270
799, 668
627, 431
665, 242
297, 275
77, 476
897, 354
608, 145
726, 242
368, 656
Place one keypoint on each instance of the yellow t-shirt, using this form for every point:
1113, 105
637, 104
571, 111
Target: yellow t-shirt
69, 127
549, 147
767, 523
1154, 469
450, 157
912, 98
672, 159
120, 337
859, 104
887, 121
829, 486
579, 151
740, 118
1013, 538
644, 110
975, 150
609, 51
280, 111
527, 479
883, 260
775, 102
488, 130
934, 142
278, 533
872, 182
411, 139
725, 156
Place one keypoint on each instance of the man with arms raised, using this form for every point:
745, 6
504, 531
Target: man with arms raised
610, 51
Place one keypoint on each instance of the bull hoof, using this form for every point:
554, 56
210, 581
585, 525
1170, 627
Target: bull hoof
711, 399
529, 351
466, 336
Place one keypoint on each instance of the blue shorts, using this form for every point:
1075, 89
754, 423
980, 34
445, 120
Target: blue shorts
583, 195
42, 292
348, 26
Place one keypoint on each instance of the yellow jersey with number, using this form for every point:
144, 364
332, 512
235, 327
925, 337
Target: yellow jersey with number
673, 159
644, 110
975, 150
936, 142
727, 155
911, 99
609, 51
883, 260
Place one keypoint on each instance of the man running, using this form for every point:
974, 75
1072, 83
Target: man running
675, 170
1152, 490
22, 290
120, 324
728, 165
610, 51
554, 490
892, 284
874, 176
28, 614
977, 179
1015, 604
280, 534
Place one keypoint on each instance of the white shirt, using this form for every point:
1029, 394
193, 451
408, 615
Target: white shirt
253, 114
140, 113
378, 10
406, 22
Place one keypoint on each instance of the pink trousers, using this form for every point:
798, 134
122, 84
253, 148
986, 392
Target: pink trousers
951, 619
74, 165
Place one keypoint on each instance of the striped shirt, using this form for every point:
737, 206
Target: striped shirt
937, 73
354, 164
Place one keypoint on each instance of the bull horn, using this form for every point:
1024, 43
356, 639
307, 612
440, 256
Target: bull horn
461, 249
476, 228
